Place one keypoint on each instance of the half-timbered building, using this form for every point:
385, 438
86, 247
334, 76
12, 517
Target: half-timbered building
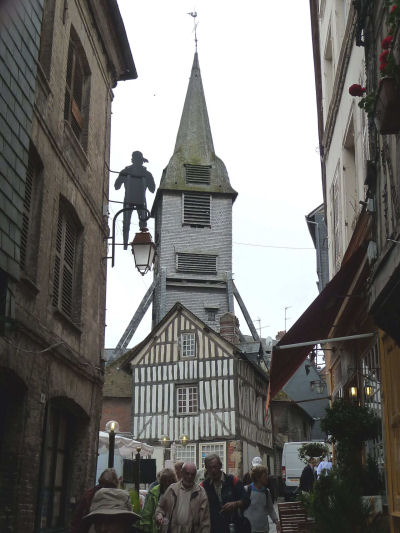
190, 380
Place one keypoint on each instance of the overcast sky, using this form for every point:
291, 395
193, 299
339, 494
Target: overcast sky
257, 70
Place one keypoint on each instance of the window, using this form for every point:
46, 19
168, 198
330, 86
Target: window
186, 453
197, 209
350, 193
336, 214
187, 399
188, 345
211, 314
198, 174
328, 70
212, 447
31, 215
196, 263
46, 36
52, 504
68, 264
77, 90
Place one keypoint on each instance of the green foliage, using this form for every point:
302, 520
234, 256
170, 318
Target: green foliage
372, 480
312, 449
367, 103
349, 426
336, 505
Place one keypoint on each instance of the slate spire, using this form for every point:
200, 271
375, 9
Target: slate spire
194, 137
194, 144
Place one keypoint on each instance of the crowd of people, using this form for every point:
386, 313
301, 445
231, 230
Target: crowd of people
183, 500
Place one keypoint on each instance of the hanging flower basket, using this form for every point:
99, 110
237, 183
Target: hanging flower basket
387, 107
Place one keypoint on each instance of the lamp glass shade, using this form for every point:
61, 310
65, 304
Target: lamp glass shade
165, 441
144, 251
369, 390
112, 426
184, 440
353, 392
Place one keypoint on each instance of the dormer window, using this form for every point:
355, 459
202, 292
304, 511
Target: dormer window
198, 174
196, 209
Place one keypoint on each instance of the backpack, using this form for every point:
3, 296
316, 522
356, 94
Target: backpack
266, 490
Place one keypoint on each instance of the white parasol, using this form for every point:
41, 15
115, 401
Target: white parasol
126, 447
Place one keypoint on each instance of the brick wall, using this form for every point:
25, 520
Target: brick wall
234, 463
119, 409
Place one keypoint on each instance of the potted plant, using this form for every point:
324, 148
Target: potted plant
384, 104
349, 425
312, 449
338, 501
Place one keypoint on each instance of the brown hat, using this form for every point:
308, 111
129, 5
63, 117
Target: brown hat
111, 502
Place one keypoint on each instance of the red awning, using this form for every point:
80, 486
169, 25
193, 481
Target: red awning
315, 323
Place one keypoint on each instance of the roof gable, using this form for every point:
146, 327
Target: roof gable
162, 344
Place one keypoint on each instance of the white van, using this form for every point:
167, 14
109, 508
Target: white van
292, 466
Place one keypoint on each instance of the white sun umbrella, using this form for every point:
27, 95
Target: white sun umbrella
126, 447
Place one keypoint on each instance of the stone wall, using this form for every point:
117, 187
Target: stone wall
52, 361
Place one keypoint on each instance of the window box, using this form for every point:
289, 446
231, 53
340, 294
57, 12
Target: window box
387, 107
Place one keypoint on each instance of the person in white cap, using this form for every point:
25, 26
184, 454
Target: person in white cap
111, 511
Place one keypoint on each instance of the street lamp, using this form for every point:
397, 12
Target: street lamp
144, 251
317, 386
112, 427
184, 439
165, 441
353, 393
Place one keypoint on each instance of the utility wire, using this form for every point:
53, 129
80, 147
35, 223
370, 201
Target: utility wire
273, 246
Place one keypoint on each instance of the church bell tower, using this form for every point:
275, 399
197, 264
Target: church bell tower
193, 219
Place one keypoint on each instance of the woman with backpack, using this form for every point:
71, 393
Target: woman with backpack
261, 505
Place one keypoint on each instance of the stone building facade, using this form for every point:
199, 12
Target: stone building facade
59, 61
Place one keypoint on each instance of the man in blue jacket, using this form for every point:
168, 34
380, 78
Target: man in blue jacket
227, 498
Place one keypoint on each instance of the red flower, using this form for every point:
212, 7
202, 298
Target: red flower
382, 66
383, 56
357, 90
393, 8
387, 41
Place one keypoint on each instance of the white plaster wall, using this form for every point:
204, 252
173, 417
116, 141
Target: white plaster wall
337, 157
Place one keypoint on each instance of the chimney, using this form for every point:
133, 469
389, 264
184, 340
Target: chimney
229, 328
279, 335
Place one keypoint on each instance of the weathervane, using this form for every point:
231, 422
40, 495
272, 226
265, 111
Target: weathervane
194, 15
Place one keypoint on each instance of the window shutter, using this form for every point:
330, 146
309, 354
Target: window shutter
57, 262
68, 268
75, 93
197, 209
68, 82
65, 265
198, 174
196, 263
26, 213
